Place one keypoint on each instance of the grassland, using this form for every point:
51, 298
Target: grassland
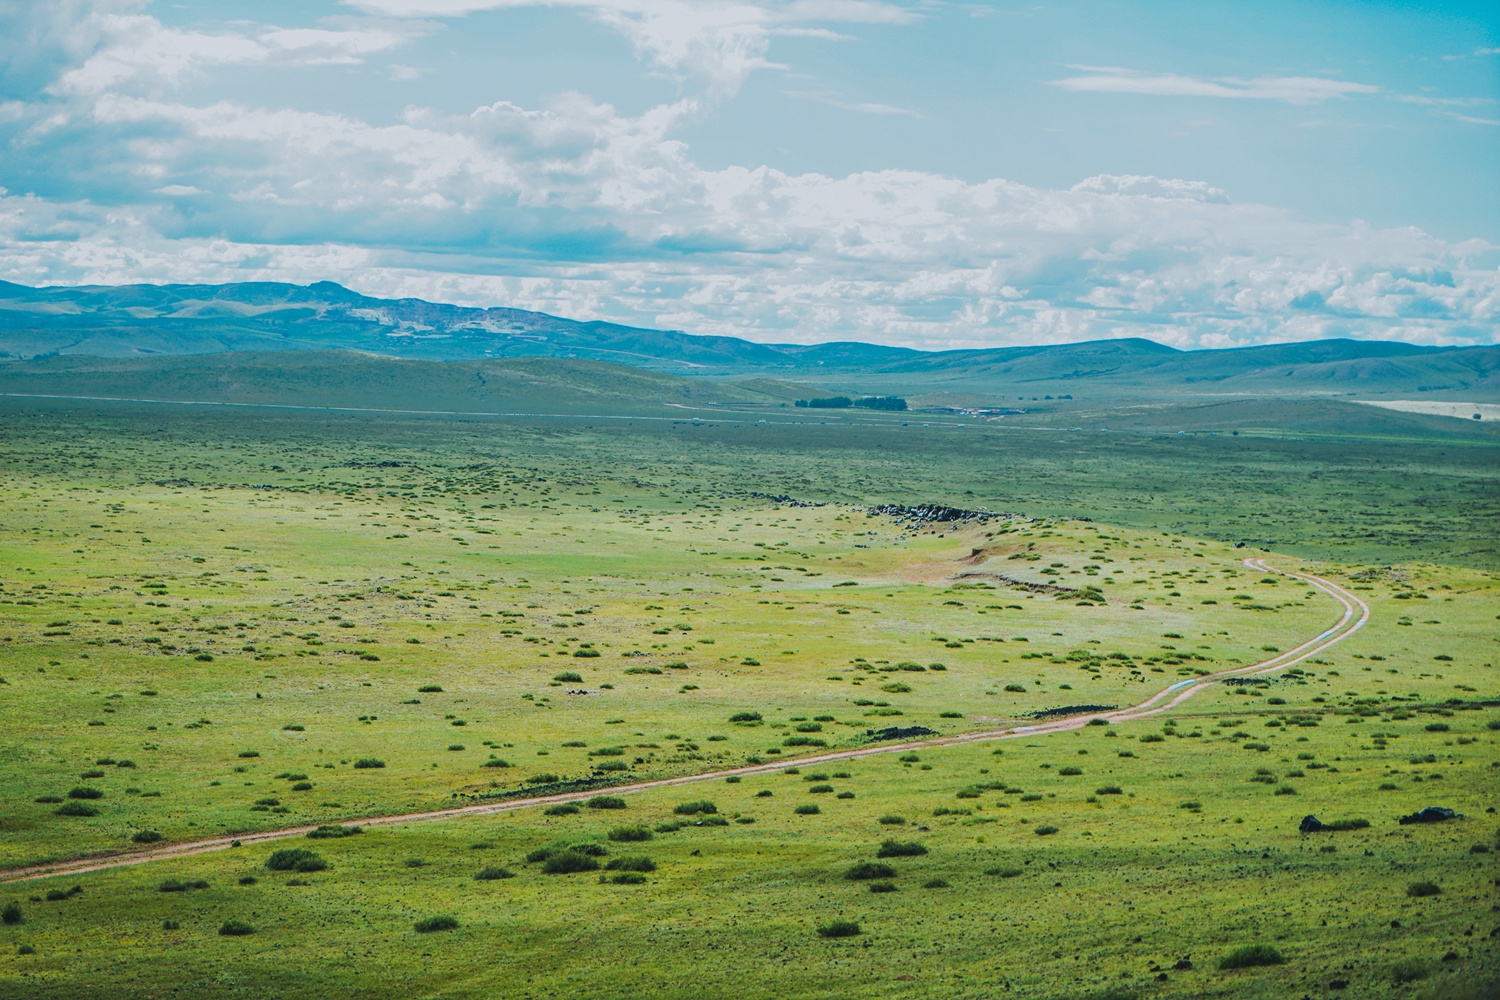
203, 613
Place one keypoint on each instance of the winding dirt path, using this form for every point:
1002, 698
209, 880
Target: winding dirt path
1356, 613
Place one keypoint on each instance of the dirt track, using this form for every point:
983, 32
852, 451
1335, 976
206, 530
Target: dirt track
1356, 614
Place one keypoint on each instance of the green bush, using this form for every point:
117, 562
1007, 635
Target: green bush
629, 834
568, 862
235, 928
1251, 955
75, 809
174, 885
11, 914
84, 792
624, 878
605, 802
819, 789
430, 689
745, 717
868, 870
808, 810
496, 762
935, 883
430, 924
631, 863
333, 832
695, 807
1004, 872
1070, 772
1409, 970
170, 925
569, 677
561, 809
1045, 831
892, 820
838, 929
900, 849
1424, 888
1347, 824
295, 859
882, 887
147, 837
491, 873
1109, 790
369, 762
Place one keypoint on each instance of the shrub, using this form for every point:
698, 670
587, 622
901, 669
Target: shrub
1070, 772
1045, 831
249, 753
605, 802
1004, 872
882, 887
333, 832
84, 792
935, 883
430, 689
1436, 727
174, 885
900, 849
745, 717
491, 873
631, 863
569, 677
369, 762
838, 929
1424, 888
295, 859
629, 834
804, 741
625, 878
892, 821
561, 809
11, 914
1251, 955
585, 654
47, 799
1109, 790
170, 925
695, 807
235, 928
302, 786
1347, 824
1409, 970
496, 762
868, 870
808, 810
1015, 689
713, 821
414, 863
248, 880
430, 924
820, 789
545, 778
147, 837
567, 862
76, 809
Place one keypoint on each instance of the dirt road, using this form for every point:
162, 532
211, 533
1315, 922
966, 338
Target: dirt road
1356, 614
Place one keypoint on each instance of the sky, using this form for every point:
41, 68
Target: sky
925, 173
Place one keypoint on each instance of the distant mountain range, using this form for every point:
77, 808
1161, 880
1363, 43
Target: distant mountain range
144, 321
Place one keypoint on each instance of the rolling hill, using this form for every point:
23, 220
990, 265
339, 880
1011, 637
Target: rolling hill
167, 321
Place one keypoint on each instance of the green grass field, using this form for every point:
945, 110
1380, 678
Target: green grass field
209, 620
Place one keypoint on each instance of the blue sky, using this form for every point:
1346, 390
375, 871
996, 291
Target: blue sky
920, 173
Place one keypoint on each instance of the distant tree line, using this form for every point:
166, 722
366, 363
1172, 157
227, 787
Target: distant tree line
844, 402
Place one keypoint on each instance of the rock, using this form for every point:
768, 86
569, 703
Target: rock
1432, 814
1310, 824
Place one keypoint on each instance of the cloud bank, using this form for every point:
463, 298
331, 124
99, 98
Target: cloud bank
579, 209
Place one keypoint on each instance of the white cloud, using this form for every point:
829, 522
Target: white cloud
1290, 89
864, 108
716, 42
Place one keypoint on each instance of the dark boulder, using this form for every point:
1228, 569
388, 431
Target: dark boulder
1432, 814
1310, 824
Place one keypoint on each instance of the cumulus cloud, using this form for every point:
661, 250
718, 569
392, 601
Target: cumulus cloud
574, 207
1290, 89
717, 42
